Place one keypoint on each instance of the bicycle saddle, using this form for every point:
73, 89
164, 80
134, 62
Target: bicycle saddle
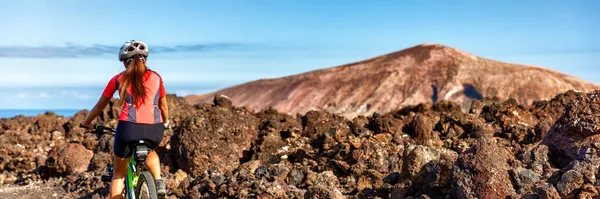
141, 150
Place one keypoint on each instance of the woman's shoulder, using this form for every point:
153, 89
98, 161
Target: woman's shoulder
118, 75
154, 72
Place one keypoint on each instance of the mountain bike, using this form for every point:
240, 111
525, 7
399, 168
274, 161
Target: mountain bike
139, 182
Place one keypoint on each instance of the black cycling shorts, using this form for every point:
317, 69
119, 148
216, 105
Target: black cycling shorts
129, 133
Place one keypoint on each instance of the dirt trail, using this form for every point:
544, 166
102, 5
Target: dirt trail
35, 190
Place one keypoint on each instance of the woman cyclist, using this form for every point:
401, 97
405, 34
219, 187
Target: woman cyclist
144, 113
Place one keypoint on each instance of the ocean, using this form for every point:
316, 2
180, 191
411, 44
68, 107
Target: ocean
9, 113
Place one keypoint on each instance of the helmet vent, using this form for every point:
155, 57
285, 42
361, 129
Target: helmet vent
132, 48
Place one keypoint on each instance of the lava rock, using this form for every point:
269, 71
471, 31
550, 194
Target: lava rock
573, 136
322, 192
69, 159
222, 101
547, 191
213, 138
100, 160
482, 171
569, 182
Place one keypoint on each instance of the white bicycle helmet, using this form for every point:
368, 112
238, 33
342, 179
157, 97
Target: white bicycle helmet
131, 48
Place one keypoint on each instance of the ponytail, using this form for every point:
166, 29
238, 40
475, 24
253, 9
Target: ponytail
134, 74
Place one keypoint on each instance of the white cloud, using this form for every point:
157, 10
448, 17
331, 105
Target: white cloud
76, 94
23, 79
69, 97
40, 95
19, 72
43, 95
82, 96
63, 94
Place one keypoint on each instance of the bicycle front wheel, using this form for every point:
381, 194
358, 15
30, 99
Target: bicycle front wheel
146, 187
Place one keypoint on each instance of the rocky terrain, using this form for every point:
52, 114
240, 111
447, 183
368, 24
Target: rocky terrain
424, 73
496, 149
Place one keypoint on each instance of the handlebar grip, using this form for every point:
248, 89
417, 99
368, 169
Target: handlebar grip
97, 128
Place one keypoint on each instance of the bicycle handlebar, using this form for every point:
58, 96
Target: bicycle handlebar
98, 128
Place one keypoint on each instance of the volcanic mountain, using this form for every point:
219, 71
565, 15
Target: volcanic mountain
419, 74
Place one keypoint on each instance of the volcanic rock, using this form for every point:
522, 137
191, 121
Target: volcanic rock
483, 171
499, 149
569, 182
69, 159
575, 136
214, 138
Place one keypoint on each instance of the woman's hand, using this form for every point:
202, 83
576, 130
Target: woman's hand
87, 125
102, 102
166, 124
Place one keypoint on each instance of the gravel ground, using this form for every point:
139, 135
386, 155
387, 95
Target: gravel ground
34, 190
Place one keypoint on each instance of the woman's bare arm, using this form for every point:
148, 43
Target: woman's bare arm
102, 102
164, 108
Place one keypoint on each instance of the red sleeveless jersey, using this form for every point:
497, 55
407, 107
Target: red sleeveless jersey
147, 113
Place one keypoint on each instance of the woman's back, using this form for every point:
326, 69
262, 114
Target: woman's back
146, 111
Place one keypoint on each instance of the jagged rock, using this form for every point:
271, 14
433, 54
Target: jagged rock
322, 192
575, 135
482, 171
525, 180
69, 159
213, 139
588, 191
222, 101
418, 157
105, 143
295, 177
319, 125
554, 108
422, 131
271, 149
500, 149
360, 127
173, 181
542, 128
514, 121
100, 160
327, 179
385, 124
588, 168
569, 182
547, 191
380, 155
429, 169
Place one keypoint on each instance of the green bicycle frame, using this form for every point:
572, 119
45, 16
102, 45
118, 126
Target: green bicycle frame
131, 179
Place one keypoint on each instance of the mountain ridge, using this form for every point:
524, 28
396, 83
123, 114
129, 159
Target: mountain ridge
421, 73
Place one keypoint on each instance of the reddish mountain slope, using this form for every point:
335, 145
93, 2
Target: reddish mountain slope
422, 73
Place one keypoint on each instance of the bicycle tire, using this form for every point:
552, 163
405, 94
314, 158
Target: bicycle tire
146, 178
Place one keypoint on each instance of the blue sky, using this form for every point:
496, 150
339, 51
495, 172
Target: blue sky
60, 54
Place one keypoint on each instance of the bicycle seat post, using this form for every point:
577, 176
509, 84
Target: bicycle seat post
141, 151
